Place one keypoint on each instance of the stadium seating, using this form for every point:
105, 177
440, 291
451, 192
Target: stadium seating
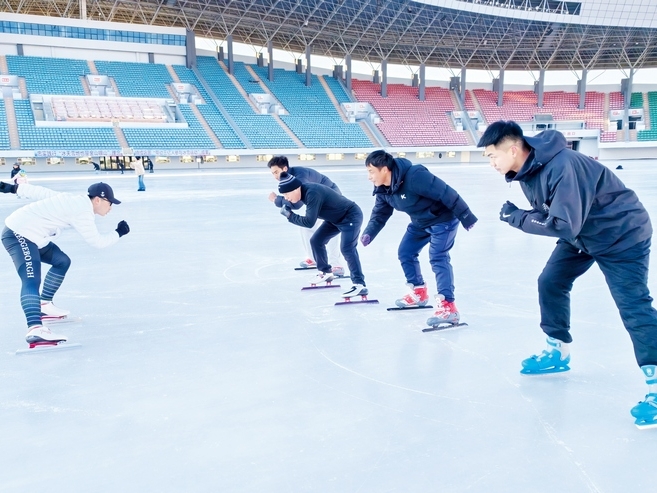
617, 101
33, 137
407, 121
222, 129
137, 80
4, 133
521, 106
337, 89
312, 116
262, 130
107, 109
193, 137
49, 75
651, 134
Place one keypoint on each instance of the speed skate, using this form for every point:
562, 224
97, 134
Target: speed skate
45, 346
408, 308
353, 292
444, 326
49, 320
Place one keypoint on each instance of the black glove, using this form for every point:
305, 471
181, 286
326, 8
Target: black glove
8, 187
507, 209
122, 228
366, 239
286, 211
468, 220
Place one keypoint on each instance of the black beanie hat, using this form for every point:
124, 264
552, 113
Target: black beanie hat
287, 183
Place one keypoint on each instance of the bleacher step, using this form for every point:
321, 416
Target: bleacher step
201, 119
646, 111
22, 86
4, 69
266, 90
173, 94
331, 96
92, 67
12, 125
85, 85
120, 136
239, 87
173, 74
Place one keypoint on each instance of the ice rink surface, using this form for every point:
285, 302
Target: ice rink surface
205, 368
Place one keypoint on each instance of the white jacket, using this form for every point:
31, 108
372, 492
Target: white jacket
138, 166
43, 221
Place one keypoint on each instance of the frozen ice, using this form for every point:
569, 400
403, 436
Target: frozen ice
205, 368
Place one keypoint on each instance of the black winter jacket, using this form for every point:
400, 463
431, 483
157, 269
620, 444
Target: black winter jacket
324, 203
427, 199
575, 198
305, 175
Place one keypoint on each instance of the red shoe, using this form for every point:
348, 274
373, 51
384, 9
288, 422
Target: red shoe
418, 297
446, 312
308, 263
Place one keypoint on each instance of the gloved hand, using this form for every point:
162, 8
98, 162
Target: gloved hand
468, 220
8, 187
366, 239
507, 209
122, 228
286, 211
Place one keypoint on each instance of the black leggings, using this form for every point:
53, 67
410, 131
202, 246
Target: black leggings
27, 260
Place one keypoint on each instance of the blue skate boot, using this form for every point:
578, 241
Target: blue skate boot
553, 360
645, 412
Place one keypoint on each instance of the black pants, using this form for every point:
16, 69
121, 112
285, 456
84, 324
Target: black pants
626, 274
27, 260
349, 226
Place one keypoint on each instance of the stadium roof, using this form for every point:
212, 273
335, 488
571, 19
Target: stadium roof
476, 34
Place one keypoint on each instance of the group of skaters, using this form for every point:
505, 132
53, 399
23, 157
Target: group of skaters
580, 202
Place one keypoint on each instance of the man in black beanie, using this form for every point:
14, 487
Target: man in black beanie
340, 215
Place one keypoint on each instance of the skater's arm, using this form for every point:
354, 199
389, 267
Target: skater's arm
27, 191
569, 205
83, 220
88, 230
280, 201
380, 214
313, 205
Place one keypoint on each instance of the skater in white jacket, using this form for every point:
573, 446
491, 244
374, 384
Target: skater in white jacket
28, 238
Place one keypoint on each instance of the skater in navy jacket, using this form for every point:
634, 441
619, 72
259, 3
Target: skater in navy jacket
435, 210
596, 218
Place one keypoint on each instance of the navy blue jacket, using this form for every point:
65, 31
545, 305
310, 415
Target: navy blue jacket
575, 198
323, 203
427, 199
305, 175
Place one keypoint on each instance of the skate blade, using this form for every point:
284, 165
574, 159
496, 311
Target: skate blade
60, 320
408, 308
525, 371
320, 287
348, 301
305, 268
42, 347
436, 328
645, 425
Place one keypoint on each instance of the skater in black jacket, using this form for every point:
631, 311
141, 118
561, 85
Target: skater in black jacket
280, 164
340, 215
435, 210
596, 219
